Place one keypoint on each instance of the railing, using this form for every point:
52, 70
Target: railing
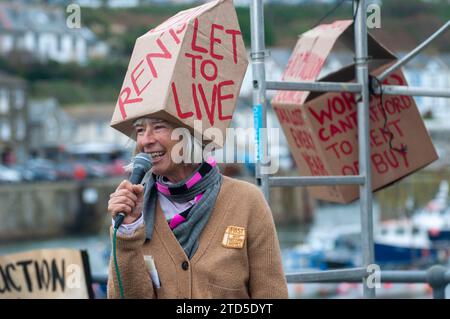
438, 277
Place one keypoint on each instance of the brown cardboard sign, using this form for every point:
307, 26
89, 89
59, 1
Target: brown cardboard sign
188, 68
321, 128
45, 274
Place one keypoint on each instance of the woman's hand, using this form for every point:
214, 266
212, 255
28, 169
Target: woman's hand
127, 199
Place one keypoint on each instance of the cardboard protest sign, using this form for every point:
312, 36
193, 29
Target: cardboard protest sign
321, 128
190, 67
46, 274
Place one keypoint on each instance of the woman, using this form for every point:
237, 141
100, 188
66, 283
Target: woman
210, 236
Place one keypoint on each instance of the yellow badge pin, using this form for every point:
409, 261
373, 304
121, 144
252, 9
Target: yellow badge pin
234, 237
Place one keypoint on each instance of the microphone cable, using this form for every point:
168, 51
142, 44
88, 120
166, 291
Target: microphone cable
116, 265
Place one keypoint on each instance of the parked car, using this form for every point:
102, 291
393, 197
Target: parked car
116, 168
94, 169
26, 173
9, 175
100, 159
42, 169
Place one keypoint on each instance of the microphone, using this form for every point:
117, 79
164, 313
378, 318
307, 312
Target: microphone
141, 165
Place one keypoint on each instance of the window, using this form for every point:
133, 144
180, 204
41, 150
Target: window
5, 130
400, 231
4, 101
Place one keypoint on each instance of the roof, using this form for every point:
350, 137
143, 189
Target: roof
20, 17
91, 112
40, 110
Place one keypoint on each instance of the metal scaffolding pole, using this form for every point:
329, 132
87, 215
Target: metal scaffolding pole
356, 88
413, 91
365, 190
315, 180
414, 52
339, 275
258, 52
314, 86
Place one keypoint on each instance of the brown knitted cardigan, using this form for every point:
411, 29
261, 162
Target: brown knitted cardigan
215, 271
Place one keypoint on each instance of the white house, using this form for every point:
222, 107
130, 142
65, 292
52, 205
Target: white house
43, 32
13, 118
430, 72
49, 124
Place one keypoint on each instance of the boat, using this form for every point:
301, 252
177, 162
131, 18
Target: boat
435, 217
421, 240
325, 248
401, 243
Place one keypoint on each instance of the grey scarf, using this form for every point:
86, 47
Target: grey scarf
189, 231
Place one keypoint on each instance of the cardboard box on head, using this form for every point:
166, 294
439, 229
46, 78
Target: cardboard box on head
321, 128
188, 68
